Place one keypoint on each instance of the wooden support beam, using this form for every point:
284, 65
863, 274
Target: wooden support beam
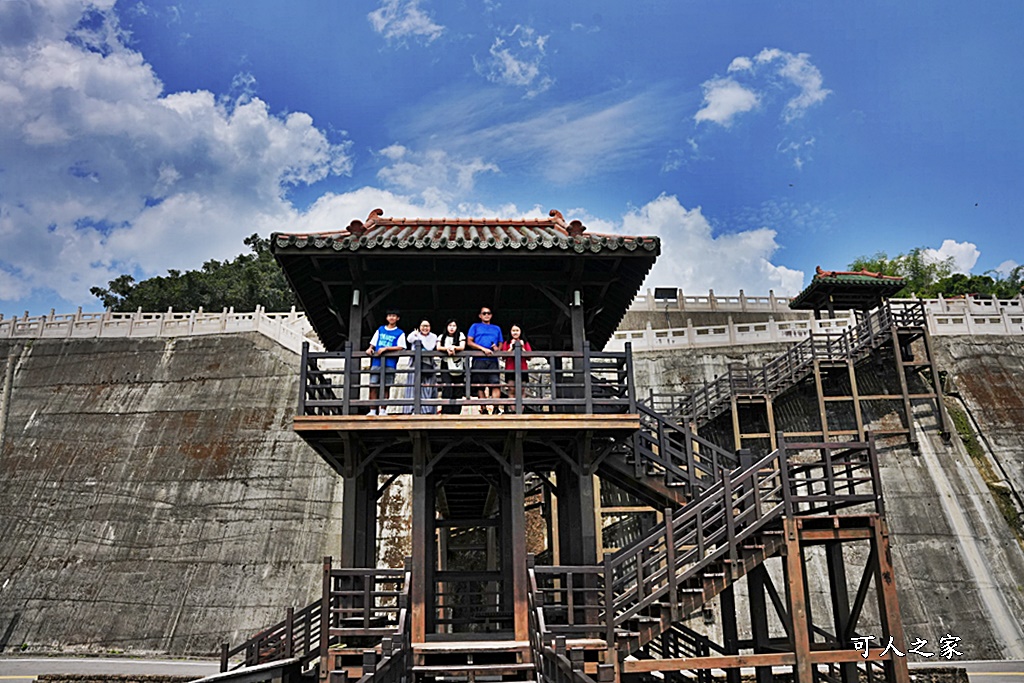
888, 604
798, 604
422, 537
518, 527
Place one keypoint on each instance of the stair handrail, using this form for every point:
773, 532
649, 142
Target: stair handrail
297, 635
711, 528
395, 662
681, 463
789, 367
554, 661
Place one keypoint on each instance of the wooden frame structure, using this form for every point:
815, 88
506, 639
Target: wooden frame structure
470, 601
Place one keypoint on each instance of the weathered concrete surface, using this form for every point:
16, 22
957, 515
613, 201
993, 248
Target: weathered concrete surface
152, 494
988, 374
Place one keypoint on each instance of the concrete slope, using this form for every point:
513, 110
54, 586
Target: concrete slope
152, 494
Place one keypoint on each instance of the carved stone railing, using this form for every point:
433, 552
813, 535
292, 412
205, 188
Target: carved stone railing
289, 329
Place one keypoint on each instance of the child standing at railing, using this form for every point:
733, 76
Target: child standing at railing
386, 338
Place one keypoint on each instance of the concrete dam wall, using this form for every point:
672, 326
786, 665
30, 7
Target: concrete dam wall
152, 494
154, 498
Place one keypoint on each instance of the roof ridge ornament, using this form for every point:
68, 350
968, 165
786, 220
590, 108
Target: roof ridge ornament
356, 228
576, 228
559, 218
372, 218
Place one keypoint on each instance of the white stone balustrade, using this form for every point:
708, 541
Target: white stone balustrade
959, 316
288, 329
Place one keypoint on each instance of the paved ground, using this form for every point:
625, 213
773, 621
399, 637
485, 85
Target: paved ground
27, 668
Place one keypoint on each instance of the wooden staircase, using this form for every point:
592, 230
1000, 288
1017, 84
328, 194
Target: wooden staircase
901, 321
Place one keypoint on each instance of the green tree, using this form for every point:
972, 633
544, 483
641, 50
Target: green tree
928, 278
920, 272
247, 281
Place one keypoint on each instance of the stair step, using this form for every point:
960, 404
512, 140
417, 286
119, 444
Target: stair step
478, 669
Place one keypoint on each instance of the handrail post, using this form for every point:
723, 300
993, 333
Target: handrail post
346, 395
588, 396
876, 476
730, 522
670, 562
325, 618
517, 358
609, 604
630, 387
223, 657
289, 633
417, 376
303, 379
787, 494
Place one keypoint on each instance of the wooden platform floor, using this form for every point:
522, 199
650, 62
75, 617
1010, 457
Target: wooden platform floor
530, 422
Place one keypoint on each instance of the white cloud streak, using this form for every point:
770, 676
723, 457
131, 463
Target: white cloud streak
400, 20
516, 59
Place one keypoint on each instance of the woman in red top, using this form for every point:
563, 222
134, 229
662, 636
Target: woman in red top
515, 339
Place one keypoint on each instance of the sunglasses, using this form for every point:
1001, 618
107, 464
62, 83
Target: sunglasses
485, 313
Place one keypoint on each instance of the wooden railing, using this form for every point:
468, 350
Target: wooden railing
672, 449
555, 661
789, 368
588, 382
297, 636
368, 602
705, 535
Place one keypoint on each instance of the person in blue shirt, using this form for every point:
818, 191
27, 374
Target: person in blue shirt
386, 338
485, 337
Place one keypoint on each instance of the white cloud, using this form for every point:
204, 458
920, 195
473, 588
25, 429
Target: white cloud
798, 70
398, 20
754, 81
740, 64
724, 99
433, 174
964, 255
1006, 267
516, 59
696, 260
104, 173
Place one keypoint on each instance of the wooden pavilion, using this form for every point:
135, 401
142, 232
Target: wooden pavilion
471, 604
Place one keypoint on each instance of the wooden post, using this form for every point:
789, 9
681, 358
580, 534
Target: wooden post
888, 604
325, 619
802, 670
422, 527
520, 580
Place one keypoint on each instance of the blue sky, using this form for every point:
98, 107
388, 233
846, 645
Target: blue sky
758, 139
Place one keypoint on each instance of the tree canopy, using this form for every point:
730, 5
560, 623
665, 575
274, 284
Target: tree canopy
247, 281
927, 277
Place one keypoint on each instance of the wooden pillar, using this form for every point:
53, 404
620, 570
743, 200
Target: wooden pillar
422, 540
359, 520
901, 371
888, 604
517, 524
820, 391
761, 636
730, 630
840, 603
798, 604
576, 503
576, 319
